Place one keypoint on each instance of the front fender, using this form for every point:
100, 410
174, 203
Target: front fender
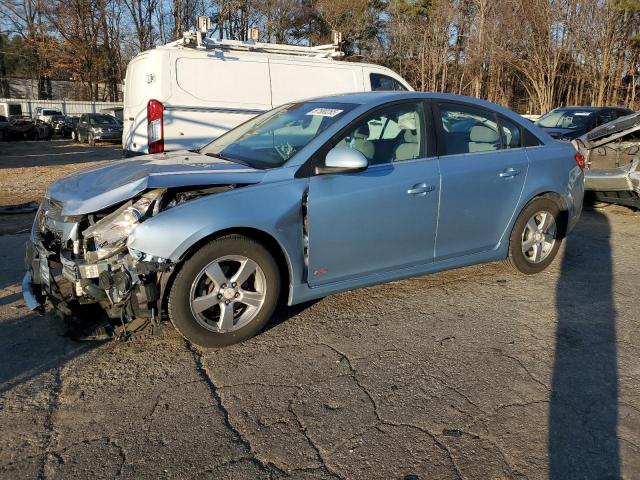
274, 208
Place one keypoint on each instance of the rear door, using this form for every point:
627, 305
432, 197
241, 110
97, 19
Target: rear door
483, 168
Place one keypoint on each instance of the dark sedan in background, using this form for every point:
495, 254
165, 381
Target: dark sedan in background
96, 127
568, 123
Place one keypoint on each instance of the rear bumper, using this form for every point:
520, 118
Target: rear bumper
107, 137
623, 179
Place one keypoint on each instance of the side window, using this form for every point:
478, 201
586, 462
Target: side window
468, 129
622, 113
511, 137
384, 82
530, 140
393, 134
605, 117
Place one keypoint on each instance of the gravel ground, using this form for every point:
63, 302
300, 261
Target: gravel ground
26, 168
476, 373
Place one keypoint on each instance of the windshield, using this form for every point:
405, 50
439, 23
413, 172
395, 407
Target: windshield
101, 120
560, 118
269, 140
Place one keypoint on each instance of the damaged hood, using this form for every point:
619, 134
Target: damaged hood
100, 187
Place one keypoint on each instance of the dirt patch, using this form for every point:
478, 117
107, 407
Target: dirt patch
26, 168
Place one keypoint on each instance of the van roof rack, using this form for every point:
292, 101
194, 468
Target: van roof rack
196, 39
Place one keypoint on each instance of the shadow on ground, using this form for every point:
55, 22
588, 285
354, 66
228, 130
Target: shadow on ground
24, 154
33, 344
583, 412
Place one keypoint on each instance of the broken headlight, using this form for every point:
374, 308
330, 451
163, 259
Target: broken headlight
110, 234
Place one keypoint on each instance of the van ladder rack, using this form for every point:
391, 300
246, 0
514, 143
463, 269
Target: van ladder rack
197, 40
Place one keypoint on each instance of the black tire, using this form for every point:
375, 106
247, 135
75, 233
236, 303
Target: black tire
517, 258
179, 306
92, 140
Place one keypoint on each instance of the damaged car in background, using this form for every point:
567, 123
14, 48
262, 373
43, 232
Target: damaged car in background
308, 199
612, 154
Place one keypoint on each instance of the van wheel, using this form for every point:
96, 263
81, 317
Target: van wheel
536, 236
225, 293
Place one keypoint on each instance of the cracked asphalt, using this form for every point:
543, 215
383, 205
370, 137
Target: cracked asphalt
477, 373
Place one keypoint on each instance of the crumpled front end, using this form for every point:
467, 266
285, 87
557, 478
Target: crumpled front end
82, 266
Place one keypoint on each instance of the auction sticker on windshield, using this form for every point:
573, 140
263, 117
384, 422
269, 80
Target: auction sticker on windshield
325, 112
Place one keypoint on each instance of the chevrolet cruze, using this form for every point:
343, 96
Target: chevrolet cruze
303, 201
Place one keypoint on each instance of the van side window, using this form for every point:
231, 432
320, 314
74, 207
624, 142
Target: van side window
384, 82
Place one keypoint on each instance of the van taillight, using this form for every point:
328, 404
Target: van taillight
155, 126
580, 160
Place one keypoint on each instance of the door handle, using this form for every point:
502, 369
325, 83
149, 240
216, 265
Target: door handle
509, 172
421, 189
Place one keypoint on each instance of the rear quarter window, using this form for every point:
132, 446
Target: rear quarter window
529, 139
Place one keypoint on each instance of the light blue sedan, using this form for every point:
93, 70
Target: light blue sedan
303, 201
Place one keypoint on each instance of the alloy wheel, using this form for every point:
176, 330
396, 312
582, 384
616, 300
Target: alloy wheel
228, 293
539, 237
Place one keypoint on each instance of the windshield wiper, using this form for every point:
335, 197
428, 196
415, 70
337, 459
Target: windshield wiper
233, 160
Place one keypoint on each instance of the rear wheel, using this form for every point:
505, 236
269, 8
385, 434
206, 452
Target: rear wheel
225, 293
536, 236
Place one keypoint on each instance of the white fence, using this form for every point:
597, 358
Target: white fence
67, 107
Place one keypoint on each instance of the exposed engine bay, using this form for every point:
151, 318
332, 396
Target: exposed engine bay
84, 268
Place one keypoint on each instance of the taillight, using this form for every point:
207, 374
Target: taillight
155, 126
580, 160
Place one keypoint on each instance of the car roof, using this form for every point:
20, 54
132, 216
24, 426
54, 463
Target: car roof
388, 96
371, 99
588, 109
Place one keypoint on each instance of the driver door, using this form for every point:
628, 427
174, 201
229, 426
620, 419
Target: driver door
381, 219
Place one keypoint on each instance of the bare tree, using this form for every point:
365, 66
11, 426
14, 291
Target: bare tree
142, 14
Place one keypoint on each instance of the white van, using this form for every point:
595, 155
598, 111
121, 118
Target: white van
185, 94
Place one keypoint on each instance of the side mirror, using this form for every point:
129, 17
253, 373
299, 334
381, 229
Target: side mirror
343, 160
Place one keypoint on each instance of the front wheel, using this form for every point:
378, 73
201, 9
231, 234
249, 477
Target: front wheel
92, 140
536, 236
225, 293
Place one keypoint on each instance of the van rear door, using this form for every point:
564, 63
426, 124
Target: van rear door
293, 80
134, 128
